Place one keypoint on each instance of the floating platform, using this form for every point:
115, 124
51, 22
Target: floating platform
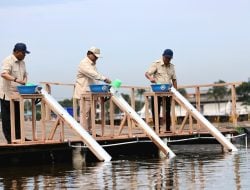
72, 148
134, 136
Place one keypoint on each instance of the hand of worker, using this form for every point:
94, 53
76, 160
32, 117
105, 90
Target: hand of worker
107, 80
152, 79
23, 82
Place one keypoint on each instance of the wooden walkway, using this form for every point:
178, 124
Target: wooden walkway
47, 131
71, 136
53, 138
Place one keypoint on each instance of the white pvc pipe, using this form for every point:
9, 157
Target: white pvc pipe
213, 130
118, 98
100, 153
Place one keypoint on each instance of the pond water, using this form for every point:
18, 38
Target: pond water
189, 170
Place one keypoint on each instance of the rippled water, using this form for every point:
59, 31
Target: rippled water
189, 170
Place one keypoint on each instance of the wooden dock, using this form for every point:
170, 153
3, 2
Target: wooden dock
50, 138
70, 135
62, 150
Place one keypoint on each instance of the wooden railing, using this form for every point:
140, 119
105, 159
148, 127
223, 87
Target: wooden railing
196, 90
109, 130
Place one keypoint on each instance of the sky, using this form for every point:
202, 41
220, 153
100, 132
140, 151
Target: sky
210, 39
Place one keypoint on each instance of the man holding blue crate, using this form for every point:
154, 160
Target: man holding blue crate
162, 71
13, 73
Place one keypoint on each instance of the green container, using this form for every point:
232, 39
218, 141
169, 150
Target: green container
29, 84
116, 83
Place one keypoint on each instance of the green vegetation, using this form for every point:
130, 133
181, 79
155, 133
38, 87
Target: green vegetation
239, 130
243, 92
182, 91
66, 102
218, 92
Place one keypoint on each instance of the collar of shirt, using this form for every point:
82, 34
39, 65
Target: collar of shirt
89, 60
14, 58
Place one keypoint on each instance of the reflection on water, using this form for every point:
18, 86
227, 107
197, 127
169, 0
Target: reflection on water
190, 170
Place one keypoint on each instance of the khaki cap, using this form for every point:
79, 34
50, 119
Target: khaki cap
95, 51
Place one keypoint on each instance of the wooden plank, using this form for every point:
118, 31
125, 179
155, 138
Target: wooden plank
83, 112
164, 125
122, 124
53, 130
190, 124
111, 111
56, 83
48, 110
210, 85
12, 121
22, 119
173, 116
43, 119
147, 109
62, 131
133, 101
129, 126
75, 105
157, 122
234, 113
102, 116
92, 111
198, 103
33, 108
183, 123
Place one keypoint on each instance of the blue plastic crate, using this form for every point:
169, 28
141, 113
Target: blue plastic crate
70, 110
27, 89
99, 88
160, 87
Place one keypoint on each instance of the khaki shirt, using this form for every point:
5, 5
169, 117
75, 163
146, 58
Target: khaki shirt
16, 69
87, 74
161, 72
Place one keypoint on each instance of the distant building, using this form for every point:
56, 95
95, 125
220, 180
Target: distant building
208, 106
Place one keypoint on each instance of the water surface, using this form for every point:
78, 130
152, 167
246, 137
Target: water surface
189, 170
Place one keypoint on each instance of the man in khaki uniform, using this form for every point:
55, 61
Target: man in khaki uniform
162, 71
13, 73
87, 74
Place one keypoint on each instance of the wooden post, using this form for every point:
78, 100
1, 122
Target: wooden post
111, 112
48, 110
62, 131
75, 105
21, 98
133, 98
83, 112
12, 121
92, 115
173, 115
183, 123
43, 118
33, 107
198, 104
133, 102
22, 119
102, 115
157, 122
190, 124
234, 113
130, 124
164, 126
146, 108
